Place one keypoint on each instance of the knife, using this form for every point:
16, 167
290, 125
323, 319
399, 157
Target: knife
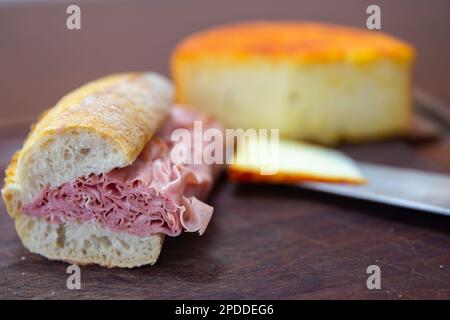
400, 187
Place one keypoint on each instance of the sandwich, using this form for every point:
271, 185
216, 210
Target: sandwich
95, 182
313, 81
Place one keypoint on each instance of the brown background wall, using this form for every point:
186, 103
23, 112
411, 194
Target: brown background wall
41, 60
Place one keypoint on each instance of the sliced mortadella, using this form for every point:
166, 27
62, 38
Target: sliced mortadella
153, 195
196, 215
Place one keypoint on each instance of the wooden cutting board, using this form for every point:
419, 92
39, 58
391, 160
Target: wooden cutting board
264, 241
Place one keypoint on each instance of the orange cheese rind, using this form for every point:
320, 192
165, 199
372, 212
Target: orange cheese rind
237, 174
306, 42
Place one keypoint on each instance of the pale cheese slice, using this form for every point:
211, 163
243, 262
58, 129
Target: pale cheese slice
292, 161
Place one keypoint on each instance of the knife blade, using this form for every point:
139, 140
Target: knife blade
408, 188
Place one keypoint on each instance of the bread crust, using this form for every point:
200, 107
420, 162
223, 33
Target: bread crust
104, 106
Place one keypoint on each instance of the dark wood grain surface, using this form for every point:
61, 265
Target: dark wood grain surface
264, 241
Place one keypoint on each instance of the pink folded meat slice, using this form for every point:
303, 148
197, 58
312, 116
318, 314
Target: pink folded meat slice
153, 195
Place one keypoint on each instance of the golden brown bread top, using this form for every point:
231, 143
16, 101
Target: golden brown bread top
302, 41
104, 106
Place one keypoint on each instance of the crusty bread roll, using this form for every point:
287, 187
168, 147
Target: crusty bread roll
103, 125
